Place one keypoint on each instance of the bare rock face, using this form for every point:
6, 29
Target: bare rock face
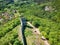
1, 19
48, 8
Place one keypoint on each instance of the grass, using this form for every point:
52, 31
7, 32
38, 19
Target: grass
31, 38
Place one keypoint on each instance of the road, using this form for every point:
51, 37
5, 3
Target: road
22, 30
35, 31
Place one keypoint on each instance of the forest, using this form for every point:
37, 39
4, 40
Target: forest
43, 14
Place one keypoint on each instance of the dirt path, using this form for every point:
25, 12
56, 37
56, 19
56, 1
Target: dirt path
37, 33
37, 38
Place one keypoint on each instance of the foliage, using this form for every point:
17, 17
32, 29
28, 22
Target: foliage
56, 4
49, 29
17, 42
47, 21
9, 37
28, 32
8, 26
